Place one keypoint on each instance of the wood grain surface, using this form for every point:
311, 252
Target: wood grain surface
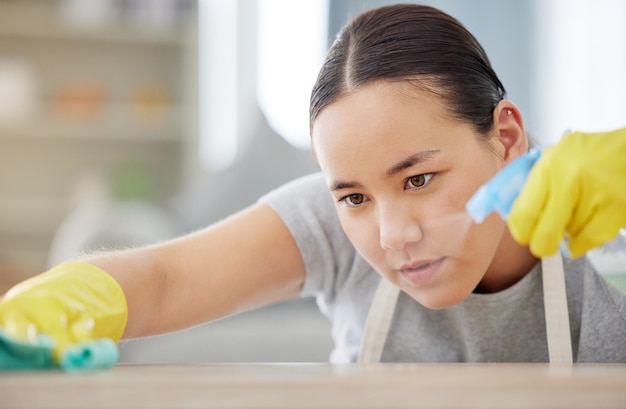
302, 385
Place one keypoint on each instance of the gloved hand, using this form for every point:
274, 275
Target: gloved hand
70, 317
577, 191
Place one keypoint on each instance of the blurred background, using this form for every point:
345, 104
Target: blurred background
126, 122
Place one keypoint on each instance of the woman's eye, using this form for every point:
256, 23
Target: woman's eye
354, 200
418, 181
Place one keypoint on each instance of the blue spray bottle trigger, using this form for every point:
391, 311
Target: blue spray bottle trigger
500, 192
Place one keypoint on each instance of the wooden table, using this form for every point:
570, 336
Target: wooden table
318, 386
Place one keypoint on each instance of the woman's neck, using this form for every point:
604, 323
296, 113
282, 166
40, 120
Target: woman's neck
511, 263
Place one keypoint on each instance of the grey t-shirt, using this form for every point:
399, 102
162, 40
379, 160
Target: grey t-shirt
507, 326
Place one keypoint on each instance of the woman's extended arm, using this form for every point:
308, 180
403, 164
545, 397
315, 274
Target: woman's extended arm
245, 261
71, 315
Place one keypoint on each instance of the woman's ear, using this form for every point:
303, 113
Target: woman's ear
509, 130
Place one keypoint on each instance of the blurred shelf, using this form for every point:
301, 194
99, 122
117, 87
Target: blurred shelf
108, 96
32, 215
117, 123
18, 22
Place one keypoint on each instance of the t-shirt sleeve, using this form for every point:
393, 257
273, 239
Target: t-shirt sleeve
306, 207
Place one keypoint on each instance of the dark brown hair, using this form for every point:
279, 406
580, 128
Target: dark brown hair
416, 43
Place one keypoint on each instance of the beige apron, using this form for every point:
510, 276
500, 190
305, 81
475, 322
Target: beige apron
555, 305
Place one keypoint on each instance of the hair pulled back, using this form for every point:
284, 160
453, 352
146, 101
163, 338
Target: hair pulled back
416, 43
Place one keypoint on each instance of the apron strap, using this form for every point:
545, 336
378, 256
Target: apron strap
555, 305
378, 321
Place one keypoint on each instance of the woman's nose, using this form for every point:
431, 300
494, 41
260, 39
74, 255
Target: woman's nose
398, 228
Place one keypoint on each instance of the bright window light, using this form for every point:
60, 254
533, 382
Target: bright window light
291, 45
583, 66
217, 59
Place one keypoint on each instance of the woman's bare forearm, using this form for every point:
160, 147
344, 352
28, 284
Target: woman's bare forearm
246, 261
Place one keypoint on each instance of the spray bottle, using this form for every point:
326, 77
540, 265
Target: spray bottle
499, 194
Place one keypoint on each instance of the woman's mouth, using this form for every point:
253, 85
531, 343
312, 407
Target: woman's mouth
421, 272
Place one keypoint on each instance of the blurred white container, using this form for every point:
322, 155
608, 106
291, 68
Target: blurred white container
89, 14
154, 14
100, 222
18, 91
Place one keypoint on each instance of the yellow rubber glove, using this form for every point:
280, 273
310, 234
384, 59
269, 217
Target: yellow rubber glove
576, 191
72, 304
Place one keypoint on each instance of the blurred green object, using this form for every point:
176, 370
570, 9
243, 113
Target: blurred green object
133, 181
616, 280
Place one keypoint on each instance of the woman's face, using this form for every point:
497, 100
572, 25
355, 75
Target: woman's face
401, 170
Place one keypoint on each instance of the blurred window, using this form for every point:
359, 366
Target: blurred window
217, 81
291, 41
582, 66
291, 46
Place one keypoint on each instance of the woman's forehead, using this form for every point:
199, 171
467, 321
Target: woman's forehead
379, 126
380, 108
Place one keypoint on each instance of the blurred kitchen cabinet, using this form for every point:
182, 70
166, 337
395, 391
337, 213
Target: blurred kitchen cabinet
97, 97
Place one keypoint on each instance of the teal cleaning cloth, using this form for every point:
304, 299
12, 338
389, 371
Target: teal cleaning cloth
84, 356
22, 355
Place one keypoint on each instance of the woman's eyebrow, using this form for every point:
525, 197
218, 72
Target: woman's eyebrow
338, 185
412, 160
405, 163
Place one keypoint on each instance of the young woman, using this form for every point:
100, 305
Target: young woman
408, 120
